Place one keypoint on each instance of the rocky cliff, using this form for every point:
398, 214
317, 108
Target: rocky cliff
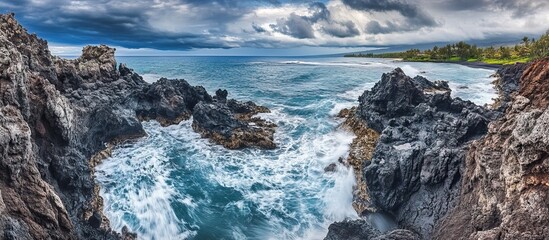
505, 187
59, 118
445, 168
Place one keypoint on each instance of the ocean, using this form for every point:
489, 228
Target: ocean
173, 184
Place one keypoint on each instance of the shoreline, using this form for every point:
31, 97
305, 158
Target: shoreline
468, 64
464, 63
482, 65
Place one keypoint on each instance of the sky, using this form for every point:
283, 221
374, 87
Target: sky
273, 27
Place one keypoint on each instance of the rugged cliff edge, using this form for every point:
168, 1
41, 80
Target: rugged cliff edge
410, 175
505, 186
445, 168
59, 118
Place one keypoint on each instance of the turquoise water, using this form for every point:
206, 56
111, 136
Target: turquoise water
175, 185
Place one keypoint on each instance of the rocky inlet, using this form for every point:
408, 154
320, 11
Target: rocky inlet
59, 118
434, 167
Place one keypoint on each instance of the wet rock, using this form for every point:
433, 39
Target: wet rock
221, 95
95, 220
233, 125
363, 230
330, 168
399, 234
351, 230
361, 151
169, 101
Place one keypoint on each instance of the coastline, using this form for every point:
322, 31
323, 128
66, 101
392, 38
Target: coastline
482, 65
467, 64
464, 63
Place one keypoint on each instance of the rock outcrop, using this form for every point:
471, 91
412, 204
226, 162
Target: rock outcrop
505, 186
215, 120
362, 230
507, 83
414, 172
59, 118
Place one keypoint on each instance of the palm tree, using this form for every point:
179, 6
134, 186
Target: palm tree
525, 40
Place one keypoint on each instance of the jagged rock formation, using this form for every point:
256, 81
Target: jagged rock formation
505, 186
59, 118
414, 174
363, 230
361, 151
507, 83
211, 120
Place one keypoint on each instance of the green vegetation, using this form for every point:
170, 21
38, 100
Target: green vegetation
525, 51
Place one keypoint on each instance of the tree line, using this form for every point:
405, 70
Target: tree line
528, 49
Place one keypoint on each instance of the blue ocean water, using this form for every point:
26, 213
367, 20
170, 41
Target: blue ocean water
173, 184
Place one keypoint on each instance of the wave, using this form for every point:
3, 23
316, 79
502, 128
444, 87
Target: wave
410, 71
348, 64
285, 190
481, 92
136, 189
150, 77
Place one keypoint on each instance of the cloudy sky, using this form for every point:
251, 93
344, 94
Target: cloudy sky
273, 27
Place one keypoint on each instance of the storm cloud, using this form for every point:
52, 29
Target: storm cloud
295, 26
302, 26
415, 18
176, 24
222, 24
519, 8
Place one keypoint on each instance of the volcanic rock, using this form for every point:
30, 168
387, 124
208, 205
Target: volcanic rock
59, 118
232, 123
414, 171
362, 230
507, 83
505, 186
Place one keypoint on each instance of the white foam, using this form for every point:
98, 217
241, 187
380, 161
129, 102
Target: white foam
145, 195
410, 71
480, 92
338, 63
340, 106
293, 174
150, 77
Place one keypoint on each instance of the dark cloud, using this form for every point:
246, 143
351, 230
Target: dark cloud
302, 26
318, 11
342, 30
188, 24
126, 23
258, 28
519, 8
415, 18
295, 26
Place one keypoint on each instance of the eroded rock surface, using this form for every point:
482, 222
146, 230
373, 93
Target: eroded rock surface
505, 186
413, 173
362, 230
232, 123
59, 118
507, 83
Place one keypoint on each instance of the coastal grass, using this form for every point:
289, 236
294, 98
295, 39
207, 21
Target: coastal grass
508, 61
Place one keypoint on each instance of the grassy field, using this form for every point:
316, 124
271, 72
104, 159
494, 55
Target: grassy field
506, 61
